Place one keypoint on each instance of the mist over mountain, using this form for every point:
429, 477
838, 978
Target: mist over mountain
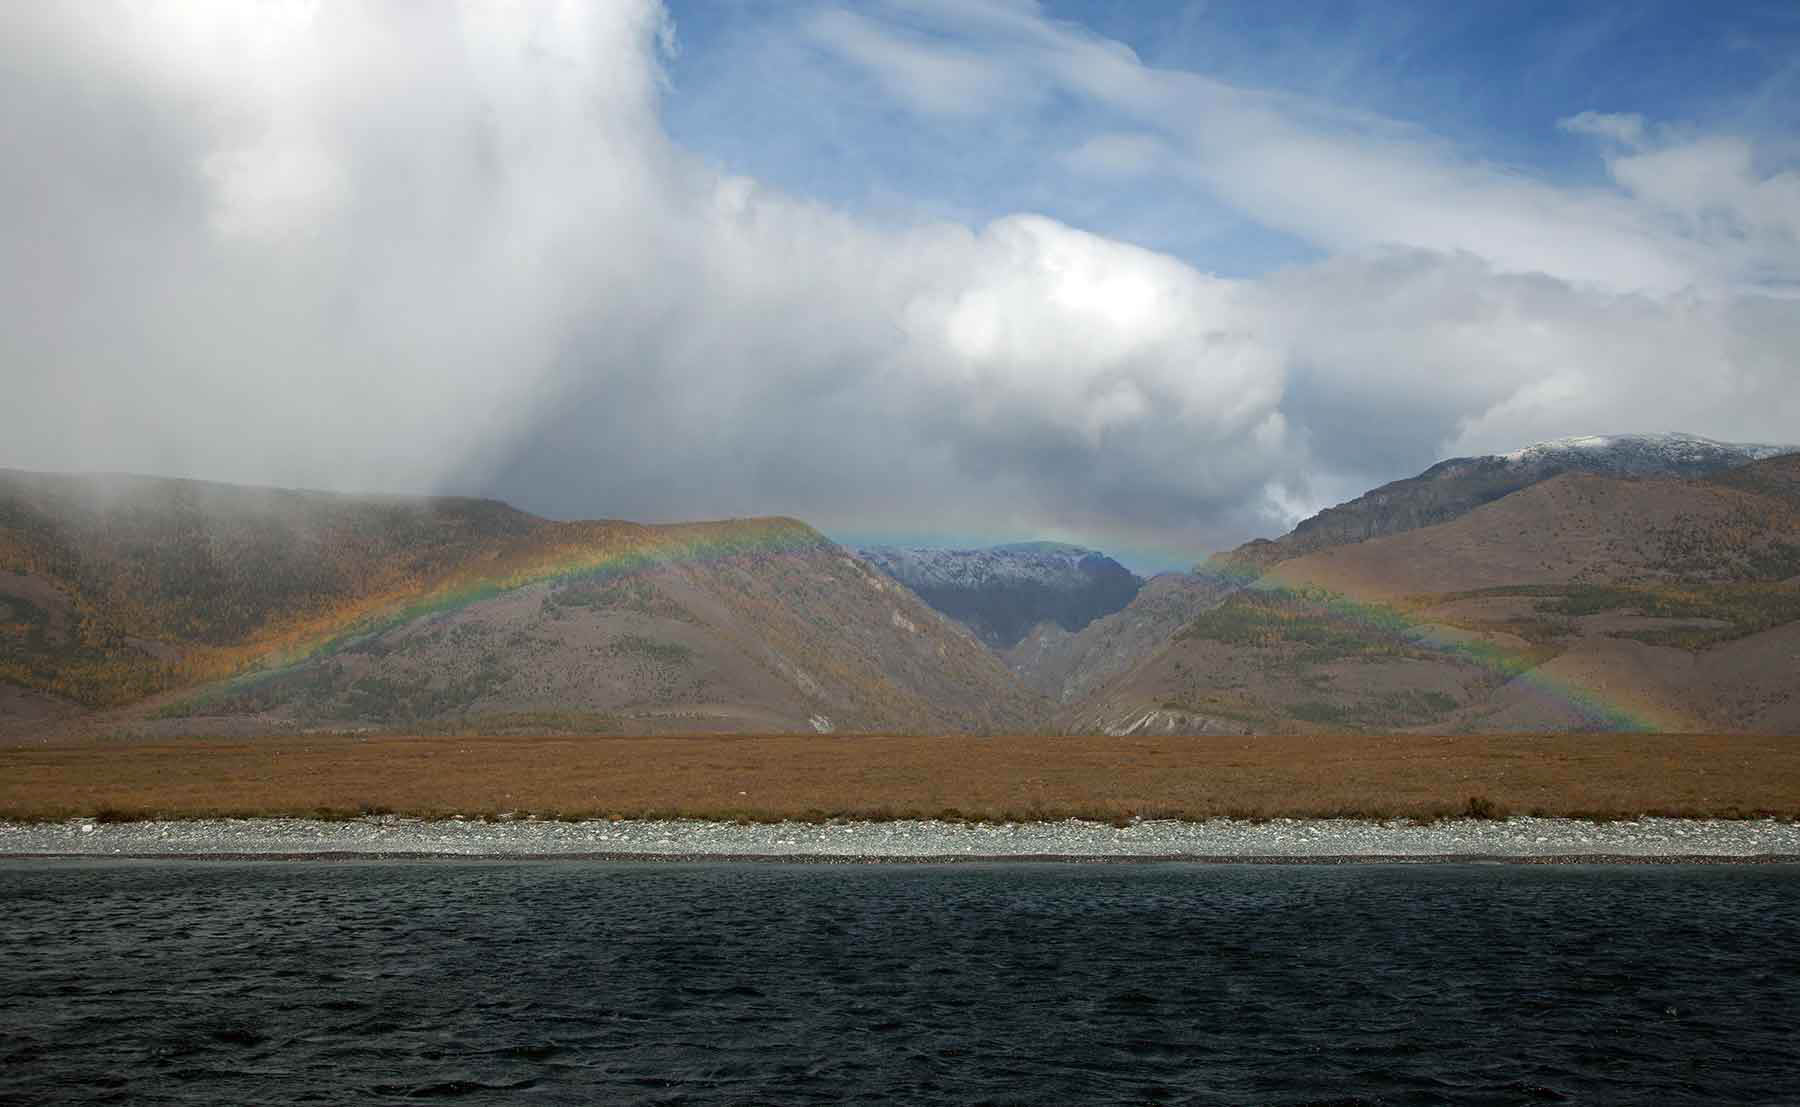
182, 606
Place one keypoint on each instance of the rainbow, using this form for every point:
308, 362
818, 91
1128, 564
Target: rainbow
558, 553
1605, 709
601, 551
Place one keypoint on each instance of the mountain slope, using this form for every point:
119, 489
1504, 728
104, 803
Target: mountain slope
1457, 486
1066, 666
340, 610
117, 587
1070, 667
1003, 592
1580, 602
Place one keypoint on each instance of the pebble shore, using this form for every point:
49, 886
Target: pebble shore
1522, 839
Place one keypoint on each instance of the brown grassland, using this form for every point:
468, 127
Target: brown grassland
811, 777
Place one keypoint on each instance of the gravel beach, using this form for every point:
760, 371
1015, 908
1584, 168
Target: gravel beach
1517, 839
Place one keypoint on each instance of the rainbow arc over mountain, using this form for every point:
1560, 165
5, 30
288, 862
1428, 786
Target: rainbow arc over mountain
575, 552
558, 554
1370, 610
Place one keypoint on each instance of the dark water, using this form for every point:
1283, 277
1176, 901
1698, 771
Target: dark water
717, 983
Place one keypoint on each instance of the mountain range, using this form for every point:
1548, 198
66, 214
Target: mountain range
177, 605
1624, 582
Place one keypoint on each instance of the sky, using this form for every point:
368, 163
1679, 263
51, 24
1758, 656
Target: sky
1152, 277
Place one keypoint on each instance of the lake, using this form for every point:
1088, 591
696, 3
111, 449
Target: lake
712, 983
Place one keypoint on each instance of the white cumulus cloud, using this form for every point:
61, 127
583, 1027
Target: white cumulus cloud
453, 247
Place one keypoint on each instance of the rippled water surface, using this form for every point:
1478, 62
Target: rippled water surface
553, 982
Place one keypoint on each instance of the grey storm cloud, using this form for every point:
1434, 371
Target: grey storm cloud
379, 247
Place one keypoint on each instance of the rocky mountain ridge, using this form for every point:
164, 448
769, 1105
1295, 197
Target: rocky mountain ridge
1002, 593
1579, 602
1454, 487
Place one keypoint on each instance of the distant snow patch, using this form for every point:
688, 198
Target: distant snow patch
1651, 450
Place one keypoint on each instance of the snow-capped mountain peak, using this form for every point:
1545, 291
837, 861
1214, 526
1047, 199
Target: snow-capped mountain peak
1668, 452
1001, 592
1053, 565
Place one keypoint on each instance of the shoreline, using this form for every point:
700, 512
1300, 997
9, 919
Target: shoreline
946, 860
1518, 840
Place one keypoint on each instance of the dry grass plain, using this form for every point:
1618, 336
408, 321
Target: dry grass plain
993, 779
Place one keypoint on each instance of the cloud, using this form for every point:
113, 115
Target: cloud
1625, 128
934, 78
1117, 155
1350, 181
1023, 378
387, 248
1462, 305
1710, 188
1457, 358
480, 264
330, 244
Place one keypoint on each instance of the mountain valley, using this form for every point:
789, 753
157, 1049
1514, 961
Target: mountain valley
1006, 593
1627, 583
